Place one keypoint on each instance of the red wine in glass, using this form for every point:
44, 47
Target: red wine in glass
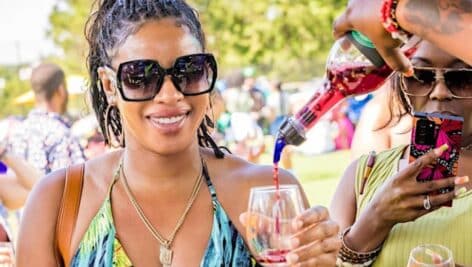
269, 227
273, 256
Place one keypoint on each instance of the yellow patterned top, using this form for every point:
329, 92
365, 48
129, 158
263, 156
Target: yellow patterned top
451, 227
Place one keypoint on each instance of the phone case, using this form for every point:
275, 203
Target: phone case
431, 131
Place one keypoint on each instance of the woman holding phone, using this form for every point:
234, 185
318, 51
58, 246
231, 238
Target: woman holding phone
381, 208
169, 196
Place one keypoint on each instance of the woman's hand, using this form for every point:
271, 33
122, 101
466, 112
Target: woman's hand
316, 241
364, 16
401, 198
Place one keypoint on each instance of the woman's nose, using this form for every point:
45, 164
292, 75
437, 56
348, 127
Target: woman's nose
440, 90
168, 91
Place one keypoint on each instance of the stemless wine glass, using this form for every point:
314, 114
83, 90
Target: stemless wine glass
431, 255
269, 228
7, 255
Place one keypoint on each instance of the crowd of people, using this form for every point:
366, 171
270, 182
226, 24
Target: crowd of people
251, 109
167, 191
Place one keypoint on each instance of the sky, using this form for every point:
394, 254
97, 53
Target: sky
23, 26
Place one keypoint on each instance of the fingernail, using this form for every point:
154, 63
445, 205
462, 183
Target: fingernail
294, 243
460, 191
292, 258
439, 150
461, 180
409, 73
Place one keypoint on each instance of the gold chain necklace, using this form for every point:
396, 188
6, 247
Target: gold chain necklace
165, 251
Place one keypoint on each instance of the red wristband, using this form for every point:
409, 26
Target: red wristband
389, 20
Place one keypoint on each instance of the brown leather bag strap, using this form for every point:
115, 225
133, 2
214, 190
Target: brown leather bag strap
68, 211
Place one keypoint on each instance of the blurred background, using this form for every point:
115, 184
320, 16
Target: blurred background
272, 51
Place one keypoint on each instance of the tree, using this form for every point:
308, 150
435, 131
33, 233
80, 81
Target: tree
14, 87
67, 21
288, 38
284, 37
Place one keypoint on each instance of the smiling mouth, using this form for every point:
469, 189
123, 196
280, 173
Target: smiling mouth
168, 120
168, 124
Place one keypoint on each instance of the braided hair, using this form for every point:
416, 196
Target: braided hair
109, 26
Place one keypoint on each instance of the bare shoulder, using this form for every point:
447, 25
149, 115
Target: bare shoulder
99, 171
36, 248
240, 174
343, 204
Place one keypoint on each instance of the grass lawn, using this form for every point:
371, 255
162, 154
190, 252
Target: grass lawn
318, 174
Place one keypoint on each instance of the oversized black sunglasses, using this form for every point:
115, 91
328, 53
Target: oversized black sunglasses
142, 79
458, 81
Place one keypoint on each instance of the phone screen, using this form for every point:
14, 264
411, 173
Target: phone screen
431, 130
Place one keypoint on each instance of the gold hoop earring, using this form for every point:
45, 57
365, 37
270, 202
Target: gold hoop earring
113, 126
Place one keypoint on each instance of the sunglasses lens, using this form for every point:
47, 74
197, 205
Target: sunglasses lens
459, 82
194, 74
139, 79
421, 82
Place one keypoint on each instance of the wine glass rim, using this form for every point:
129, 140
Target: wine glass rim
282, 187
442, 247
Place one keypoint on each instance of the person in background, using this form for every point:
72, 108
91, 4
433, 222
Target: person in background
14, 189
383, 211
169, 196
356, 105
277, 111
257, 100
44, 138
344, 126
445, 24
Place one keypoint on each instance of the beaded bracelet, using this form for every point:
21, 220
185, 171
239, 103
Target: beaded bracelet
348, 257
389, 20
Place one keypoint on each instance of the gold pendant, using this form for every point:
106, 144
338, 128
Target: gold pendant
165, 256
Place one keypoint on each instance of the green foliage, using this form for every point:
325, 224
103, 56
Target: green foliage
13, 88
67, 21
287, 38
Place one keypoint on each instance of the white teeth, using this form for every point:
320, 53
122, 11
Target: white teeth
168, 120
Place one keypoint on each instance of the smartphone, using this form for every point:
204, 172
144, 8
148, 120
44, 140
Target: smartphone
431, 130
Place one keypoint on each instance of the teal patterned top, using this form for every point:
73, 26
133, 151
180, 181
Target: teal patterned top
100, 247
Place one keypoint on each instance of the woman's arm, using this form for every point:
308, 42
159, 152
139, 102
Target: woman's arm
36, 240
367, 232
343, 204
12, 194
26, 174
446, 23
398, 199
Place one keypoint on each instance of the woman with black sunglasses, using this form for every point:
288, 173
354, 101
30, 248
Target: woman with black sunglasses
169, 196
381, 208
